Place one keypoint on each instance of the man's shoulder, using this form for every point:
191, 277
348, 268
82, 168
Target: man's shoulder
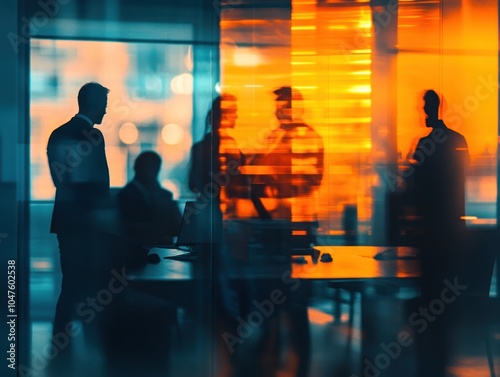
127, 192
166, 194
457, 135
65, 130
202, 144
61, 129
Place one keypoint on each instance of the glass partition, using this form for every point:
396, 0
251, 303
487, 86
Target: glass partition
361, 69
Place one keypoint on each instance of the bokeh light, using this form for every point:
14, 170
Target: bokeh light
172, 134
128, 133
182, 84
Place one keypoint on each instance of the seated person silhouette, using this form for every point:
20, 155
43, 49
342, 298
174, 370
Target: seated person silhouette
136, 325
148, 213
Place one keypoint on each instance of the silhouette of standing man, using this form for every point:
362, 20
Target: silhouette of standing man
80, 173
295, 154
440, 163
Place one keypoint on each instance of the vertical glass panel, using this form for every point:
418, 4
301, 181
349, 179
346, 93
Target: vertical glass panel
149, 105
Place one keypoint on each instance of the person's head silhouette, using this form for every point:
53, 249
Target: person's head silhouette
431, 107
92, 101
288, 104
223, 113
147, 166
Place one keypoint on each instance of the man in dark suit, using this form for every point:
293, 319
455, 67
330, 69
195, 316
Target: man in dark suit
80, 173
440, 161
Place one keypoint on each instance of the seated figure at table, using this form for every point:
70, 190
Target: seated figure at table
148, 213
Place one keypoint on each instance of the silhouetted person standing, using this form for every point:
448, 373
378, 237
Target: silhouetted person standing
439, 182
294, 153
215, 159
80, 173
148, 212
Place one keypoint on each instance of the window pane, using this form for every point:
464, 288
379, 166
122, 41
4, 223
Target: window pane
149, 104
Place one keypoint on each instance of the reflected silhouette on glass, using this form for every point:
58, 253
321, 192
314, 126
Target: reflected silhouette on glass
292, 162
216, 159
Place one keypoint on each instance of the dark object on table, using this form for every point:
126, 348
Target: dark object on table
326, 257
153, 258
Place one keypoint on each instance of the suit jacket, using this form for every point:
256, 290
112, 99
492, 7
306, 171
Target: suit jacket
441, 157
79, 170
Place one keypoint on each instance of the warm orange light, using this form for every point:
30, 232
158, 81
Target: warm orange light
303, 52
318, 317
182, 84
41, 264
245, 57
360, 89
468, 217
337, 27
303, 16
128, 133
308, 27
172, 186
366, 72
172, 134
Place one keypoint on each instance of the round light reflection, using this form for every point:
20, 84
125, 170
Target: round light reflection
182, 84
172, 134
128, 133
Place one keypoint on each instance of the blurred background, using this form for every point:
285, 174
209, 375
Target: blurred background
361, 67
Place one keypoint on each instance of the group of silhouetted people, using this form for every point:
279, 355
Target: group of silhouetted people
293, 155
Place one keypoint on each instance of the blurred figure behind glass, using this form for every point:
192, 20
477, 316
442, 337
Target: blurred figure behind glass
215, 160
294, 156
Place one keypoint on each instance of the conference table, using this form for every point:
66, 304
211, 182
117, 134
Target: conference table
397, 266
348, 263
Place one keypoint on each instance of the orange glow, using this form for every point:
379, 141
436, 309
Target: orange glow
353, 262
128, 133
318, 317
333, 55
